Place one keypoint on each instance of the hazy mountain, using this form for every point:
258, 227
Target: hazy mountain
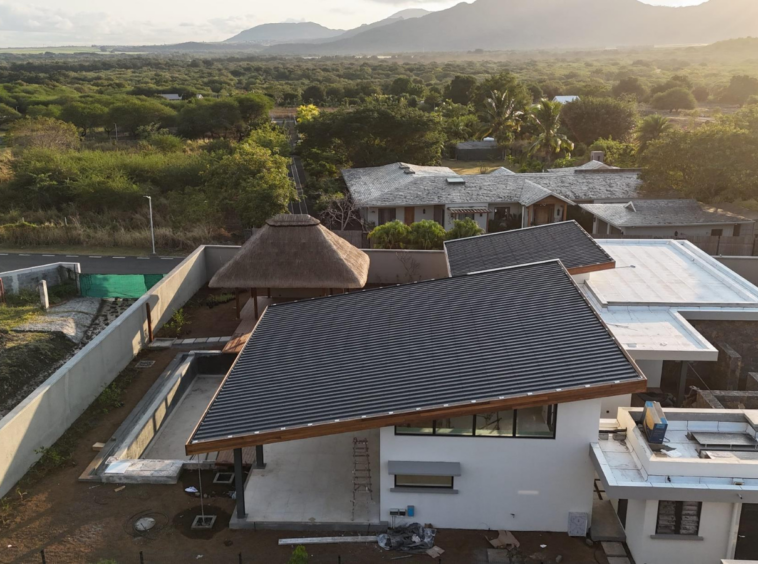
544, 24
409, 14
272, 34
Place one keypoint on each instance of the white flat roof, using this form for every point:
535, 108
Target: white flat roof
656, 287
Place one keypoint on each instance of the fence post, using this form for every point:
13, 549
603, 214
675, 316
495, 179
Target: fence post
2, 292
42, 553
149, 323
718, 245
141, 558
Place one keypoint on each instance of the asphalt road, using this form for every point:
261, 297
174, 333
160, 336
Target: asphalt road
92, 264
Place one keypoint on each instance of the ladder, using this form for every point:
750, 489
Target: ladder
361, 471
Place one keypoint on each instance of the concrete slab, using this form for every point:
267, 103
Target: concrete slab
605, 523
168, 444
143, 472
613, 549
311, 482
498, 556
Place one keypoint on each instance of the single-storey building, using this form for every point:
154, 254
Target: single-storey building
474, 425
693, 498
666, 218
485, 150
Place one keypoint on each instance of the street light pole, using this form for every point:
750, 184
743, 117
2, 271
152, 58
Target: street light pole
152, 231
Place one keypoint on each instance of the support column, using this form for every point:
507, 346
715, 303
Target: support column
239, 484
254, 296
682, 384
237, 301
149, 323
260, 464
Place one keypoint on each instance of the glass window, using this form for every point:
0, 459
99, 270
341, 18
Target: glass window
534, 422
423, 428
455, 426
678, 518
405, 481
496, 424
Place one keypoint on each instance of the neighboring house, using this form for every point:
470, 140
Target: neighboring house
591, 165
697, 500
177, 97
565, 99
412, 193
487, 150
476, 405
666, 218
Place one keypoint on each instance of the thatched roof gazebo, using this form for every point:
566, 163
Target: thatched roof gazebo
294, 252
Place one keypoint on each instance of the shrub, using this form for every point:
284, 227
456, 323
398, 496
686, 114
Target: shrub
299, 556
674, 100
464, 228
392, 235
427, 235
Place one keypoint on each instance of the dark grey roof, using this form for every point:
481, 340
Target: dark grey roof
438, 345
645, 213
399, 185
566, 241
590, 185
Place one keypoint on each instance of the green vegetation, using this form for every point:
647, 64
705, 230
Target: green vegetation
299, 556
425, 235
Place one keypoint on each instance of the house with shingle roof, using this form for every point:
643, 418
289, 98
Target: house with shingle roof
666, 218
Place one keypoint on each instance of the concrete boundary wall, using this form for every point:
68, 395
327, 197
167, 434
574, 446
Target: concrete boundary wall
28, 278
52, 408
747, 267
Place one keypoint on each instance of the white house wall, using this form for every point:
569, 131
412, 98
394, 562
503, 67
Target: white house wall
715, 529
505, 483
684, 230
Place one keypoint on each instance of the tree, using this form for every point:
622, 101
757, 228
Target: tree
272, 138
372, 135
211, 118
701, 93
405, 86
85, 116
740, 88
314, 95
461, 90
502, 116
392, 235
503, 82
43, 133
134, 112
307, 113
630, 86
8, 114
339, 211
427, 235
674, 100
251, 184
616, 153
590, 119
463, 228
254, 108
651, 129
549, 142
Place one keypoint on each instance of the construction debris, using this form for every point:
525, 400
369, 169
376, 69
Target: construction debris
505, 539
409, 538
327, 540
435, 552
119, 489
97, 447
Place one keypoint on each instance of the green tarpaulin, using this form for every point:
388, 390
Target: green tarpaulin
117, 285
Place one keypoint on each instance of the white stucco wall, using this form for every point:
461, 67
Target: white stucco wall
652, 370
715, 528
683, 231
505, 483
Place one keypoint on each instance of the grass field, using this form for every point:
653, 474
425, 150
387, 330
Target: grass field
56, 50
83, 250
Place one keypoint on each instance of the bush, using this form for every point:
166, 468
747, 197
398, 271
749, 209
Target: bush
392, 235
674, 100
427, 235
463, 228
299, 556
622, 155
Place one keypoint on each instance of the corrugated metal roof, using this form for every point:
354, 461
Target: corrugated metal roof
366, 357
566, 241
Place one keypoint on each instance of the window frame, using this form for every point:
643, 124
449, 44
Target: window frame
414, 486
679, 508
552, 424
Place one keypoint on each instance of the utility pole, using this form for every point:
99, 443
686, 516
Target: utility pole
116, 126
152, 231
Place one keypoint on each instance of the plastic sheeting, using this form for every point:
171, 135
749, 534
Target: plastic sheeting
117, 285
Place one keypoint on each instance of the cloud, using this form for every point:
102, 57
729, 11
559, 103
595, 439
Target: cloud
18, 17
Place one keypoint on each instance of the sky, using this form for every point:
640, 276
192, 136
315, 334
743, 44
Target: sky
38, 23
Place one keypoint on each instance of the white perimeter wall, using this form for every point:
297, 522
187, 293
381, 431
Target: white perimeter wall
685, 230
47, 412
715, 528
505, 483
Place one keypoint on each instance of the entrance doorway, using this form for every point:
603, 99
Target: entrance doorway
543, 215
747, 539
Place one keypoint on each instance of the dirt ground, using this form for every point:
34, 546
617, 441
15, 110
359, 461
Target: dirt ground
86, 523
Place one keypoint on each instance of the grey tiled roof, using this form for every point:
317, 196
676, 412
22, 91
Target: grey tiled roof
391, 186
441, 344
646, 213
502, 170
566, 241
591, 165
585, 187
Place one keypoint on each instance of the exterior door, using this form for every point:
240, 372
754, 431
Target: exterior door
410, 215
747, 539
543, 215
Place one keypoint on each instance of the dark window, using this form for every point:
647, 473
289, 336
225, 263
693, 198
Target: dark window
717, 232
409, 481
386, 215
502, 213
737, 230
532, 422
678, 518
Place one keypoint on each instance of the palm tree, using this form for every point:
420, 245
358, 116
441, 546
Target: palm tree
651, 129
502, 116
549, 142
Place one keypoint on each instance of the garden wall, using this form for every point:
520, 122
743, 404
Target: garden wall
28, 278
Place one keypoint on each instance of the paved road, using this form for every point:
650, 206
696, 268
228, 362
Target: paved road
296, 172
92, 264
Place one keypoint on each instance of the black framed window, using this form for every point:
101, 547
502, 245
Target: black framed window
678, 518
413, 481
528, 423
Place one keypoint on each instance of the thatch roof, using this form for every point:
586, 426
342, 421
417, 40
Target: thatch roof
294, 251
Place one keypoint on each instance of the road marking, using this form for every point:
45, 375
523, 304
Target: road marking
167, 258
23, 255
120, 257
95, 257
3, 254
143, 258
70, 256
48, 255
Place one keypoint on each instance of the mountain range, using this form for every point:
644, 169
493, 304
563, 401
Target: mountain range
310, 33
542, 24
